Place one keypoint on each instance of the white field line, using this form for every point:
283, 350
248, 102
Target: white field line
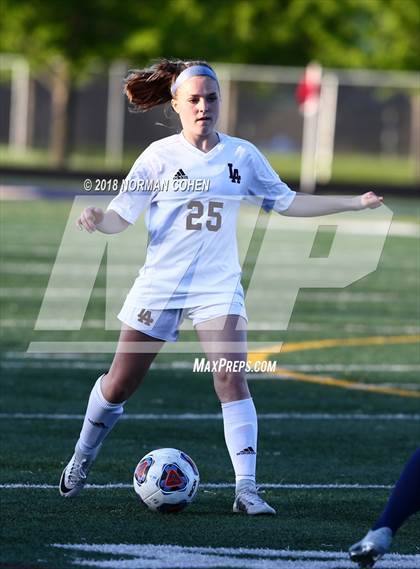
99, 365
23, 359
392, 368
396, 368
309, 327
71, 364
352, 297
28, 356
294, 326
218, 416
102, 366
30, 249
14, 355
352, 227
55, 324
41, 268
14, 268
54, 365
148, 556
208, 486
62, 292
119, 268
257, 326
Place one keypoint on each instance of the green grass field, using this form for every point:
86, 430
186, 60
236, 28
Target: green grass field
328, 449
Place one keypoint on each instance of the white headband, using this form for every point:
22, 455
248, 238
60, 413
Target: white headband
191, 72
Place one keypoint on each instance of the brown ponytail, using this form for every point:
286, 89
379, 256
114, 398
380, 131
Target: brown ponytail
147, 88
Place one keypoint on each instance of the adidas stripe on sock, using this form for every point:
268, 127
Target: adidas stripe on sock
99, 420
241, 430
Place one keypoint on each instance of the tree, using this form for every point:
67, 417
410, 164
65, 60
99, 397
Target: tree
67, 37
64, 39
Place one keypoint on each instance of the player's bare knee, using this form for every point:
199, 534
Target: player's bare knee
117, 388
229, 379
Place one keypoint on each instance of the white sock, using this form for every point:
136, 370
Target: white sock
100, 418
241, 430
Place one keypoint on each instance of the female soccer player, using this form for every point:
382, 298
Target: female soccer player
192, 184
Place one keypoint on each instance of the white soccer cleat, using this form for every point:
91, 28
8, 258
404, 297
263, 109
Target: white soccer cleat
247, 501
371, 548
75, 474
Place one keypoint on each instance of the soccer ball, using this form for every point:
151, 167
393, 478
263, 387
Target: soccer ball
166, 480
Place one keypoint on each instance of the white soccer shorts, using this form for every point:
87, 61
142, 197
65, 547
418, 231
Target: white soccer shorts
164, 324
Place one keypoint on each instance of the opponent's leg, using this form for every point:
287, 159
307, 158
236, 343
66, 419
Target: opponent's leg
238, 410
405, 497
106, 405
403, 502
371, 548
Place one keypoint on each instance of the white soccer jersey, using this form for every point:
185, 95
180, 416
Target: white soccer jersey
192, 200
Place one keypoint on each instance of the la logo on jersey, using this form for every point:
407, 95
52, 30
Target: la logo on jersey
145, 316
234, 174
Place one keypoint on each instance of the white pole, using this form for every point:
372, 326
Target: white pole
415, 134
114, 145
19, 106
308, 161
326, 127
310, 109
225, 92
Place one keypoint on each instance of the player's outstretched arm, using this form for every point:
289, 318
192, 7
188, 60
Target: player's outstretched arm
307, 205
94, 218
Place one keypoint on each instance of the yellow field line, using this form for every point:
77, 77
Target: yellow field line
337, 343
345, 384
334, 343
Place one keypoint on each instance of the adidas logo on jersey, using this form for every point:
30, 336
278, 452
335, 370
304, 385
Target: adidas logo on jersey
248, 450
180, 175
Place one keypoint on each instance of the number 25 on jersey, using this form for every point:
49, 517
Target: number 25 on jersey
214, 217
